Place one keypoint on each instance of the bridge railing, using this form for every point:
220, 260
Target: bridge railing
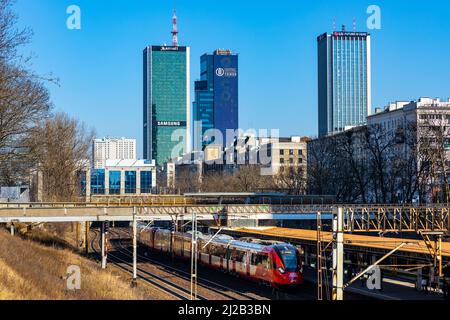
357, 218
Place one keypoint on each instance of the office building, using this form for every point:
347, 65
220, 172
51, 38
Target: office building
344, 80
112, 149
167, 108
274, 156
216, 104
290, 152
401, 155
123, 177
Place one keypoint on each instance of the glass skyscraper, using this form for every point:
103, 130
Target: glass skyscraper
167, 105
344, 74
216, 103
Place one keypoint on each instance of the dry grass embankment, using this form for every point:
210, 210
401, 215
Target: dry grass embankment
32, 271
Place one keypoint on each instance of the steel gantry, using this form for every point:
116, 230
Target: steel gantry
396, 218
424, 220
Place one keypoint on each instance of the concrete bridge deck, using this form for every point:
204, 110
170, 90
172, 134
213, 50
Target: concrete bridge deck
90, 212
357, 218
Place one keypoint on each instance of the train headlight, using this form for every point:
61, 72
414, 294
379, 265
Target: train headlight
281, 270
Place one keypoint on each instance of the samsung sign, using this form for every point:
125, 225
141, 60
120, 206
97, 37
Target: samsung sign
171, 123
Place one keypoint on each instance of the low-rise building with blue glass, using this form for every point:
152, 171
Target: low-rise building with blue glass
216, 104
124, 177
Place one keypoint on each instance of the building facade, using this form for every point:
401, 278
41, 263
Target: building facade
112, 149
20, 194
271, 156
285, 153
123, 177
401, 155
167, 109
216, 104
344, 80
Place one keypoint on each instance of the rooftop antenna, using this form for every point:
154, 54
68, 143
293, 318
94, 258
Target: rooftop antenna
354, 24
174, 29
334, 25
343, 28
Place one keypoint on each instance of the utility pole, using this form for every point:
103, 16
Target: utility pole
438, 255
194, 257
338, 254
86, 236
319, 258
77, 235
134, 282
104, 240
81, 237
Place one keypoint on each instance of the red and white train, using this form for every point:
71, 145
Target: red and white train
276, 264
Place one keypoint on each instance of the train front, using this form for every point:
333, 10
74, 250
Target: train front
287, 272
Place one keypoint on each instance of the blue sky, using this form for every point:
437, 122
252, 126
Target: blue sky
100, 66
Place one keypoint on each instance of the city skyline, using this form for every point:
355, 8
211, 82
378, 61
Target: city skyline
266, 52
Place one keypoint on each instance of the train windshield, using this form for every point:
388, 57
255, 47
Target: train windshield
288, 255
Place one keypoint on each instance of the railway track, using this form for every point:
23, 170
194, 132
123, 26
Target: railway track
158, 282
257, 292
204, 284
208, 289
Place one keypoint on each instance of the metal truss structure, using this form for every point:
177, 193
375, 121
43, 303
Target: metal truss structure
427, 221
362, 218
396, 219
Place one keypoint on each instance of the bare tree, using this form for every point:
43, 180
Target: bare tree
380, 143
217, 182
60, 146
187, 179
320, 167
23, 98
434, 148
351, 165
410, 167
244, 178
293, 179
249, 179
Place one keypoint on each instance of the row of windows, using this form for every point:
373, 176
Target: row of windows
98, 185
291, 152
434, 117
233, 254
291, 161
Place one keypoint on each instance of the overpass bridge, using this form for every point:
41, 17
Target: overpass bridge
356, 218
92, 212
428, 221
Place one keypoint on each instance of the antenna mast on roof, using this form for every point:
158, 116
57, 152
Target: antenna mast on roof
174, 29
